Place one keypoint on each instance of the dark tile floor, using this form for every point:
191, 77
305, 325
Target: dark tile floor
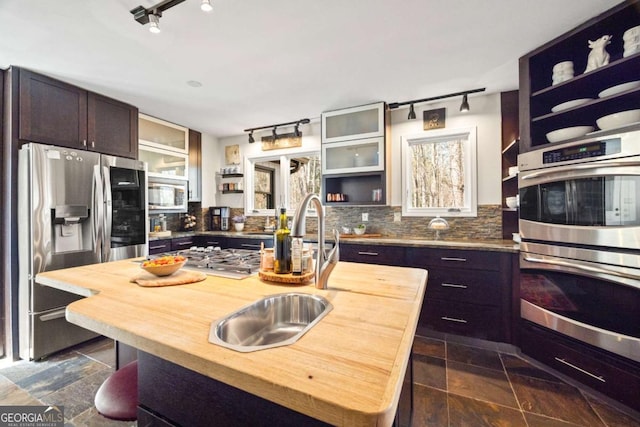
456, 384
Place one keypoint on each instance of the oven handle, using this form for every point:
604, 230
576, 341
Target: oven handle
581, 267
582, 167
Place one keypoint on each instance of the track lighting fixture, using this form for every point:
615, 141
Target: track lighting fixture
464, 107
206, 6
153, 14
296, 133
412, 113
154, 24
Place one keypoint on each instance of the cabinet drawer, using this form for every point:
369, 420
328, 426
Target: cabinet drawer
461, 319
253, 244
595, 368
472, 286
372, 254
205, 241
159, 246
181, 243
455, 258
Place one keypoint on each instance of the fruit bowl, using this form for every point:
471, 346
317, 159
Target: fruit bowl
164, 266
360, 230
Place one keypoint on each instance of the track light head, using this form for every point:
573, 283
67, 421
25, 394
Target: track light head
154, 23
412, 113
275, 135
251, 139
464, 107
206, 6
296, 130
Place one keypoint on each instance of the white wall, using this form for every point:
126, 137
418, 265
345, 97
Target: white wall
484, 114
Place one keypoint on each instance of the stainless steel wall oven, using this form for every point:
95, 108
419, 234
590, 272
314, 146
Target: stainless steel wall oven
580, 230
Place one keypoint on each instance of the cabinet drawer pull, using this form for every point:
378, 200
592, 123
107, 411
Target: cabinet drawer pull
453, 285
368, 253
571, 365
444, 258
248, 245
185, 243
453, 319
158, 247
212, 243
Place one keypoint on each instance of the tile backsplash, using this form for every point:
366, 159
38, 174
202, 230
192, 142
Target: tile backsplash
487, 225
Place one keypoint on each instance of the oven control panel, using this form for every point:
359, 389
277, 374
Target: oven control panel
582, 151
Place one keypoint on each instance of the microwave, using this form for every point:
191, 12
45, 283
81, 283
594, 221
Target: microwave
167, 195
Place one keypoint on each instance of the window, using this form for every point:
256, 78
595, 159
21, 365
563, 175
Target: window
439, 173
281, 181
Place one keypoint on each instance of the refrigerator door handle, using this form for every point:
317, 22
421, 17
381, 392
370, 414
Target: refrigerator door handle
98, 209
106, 181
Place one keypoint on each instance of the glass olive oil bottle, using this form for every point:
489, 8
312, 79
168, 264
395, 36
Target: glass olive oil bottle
282, 246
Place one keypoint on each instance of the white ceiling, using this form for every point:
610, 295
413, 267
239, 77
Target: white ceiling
265, 62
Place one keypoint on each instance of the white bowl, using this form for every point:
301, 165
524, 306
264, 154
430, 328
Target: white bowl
570, 104
568, 133
619, 88
616, 120
359, 231
511, 202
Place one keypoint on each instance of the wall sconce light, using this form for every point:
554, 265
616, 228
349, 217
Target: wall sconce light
274, 134
412, 113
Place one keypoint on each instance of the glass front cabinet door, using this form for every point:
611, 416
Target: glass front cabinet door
362, 155
366, 121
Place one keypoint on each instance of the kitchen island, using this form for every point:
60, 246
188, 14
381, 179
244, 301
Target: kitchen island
347, 370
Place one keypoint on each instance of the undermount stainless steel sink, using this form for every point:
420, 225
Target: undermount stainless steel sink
274, 321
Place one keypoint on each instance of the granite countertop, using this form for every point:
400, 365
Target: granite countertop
497, 245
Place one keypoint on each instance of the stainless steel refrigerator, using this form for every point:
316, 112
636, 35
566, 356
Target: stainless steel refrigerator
75, 207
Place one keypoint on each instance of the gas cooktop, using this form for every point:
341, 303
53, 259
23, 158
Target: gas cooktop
232, 263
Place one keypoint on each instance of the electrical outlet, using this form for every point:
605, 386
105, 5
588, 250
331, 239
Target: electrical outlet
365, 217
397, 216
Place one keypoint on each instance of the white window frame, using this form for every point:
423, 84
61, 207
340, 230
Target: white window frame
281, 192
470, 208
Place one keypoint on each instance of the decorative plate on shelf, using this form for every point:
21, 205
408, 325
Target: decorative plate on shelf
568, 133
614, 90
570, 104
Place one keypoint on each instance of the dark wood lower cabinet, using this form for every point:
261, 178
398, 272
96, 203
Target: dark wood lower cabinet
169, 395
470, 320
612, 375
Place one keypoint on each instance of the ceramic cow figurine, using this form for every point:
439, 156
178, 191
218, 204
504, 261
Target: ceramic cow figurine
598, 55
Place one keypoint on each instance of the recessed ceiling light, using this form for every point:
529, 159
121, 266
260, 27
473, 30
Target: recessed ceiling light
194, 83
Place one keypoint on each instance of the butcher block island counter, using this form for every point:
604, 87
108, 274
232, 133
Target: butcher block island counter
347, 370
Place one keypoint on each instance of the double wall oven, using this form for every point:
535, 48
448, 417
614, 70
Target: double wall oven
580, 230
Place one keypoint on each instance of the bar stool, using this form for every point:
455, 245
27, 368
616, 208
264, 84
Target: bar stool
117, 397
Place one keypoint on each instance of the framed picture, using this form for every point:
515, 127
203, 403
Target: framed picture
232, 154
434, 119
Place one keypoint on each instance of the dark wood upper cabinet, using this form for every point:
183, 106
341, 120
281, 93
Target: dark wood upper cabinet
57, 113
195, 166
112, 126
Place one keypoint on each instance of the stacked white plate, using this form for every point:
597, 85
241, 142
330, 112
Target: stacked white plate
631, 39
614, 90
617, 120
568, 133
